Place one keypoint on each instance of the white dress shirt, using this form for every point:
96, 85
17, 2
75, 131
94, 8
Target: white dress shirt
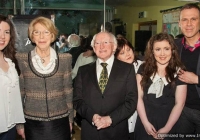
109, 66
11, 111
37, 63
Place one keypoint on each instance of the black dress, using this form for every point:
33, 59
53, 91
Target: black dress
157, 109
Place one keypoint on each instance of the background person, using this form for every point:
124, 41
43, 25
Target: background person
86, 57
10, 99
125, 53
74, 47
62, 44
161, 95
46, 85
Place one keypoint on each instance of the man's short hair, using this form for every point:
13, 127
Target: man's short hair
190, 6
74, 40
111, 35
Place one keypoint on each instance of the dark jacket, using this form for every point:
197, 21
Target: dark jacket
180, 46
75, 52
119, 100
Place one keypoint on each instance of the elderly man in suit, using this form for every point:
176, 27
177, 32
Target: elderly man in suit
105, 93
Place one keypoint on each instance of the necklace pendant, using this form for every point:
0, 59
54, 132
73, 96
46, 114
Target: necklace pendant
42, 61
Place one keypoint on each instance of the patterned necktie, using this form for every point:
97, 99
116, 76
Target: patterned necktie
103, 77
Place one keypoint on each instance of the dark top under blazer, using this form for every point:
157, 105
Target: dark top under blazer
180, 47
119, 100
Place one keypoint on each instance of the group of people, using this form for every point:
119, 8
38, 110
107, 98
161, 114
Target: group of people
118, 96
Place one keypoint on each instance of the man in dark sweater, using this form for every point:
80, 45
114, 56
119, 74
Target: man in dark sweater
189, 49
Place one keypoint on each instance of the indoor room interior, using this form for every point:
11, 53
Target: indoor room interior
132, 18
137, 20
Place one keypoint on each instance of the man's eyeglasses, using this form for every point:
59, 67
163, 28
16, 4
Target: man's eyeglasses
45, 33
105, 43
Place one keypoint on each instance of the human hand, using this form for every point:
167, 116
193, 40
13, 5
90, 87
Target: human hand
96, 118
161, 133
21, 132
150, 129
104, 122
188, 77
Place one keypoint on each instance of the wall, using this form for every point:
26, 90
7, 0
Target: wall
129, 15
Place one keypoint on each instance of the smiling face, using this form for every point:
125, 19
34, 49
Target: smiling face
104, 46
41, 37
4, 35
162, 52
126, 54
189, 22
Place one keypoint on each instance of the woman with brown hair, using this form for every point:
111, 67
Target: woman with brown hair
161, 95
10, 99
46, 85
125, 52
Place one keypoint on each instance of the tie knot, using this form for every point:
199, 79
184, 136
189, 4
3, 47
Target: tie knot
104, 65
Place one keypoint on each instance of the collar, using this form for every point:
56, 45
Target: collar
157, 77
53, 54
9, 61
191, 48
109, 61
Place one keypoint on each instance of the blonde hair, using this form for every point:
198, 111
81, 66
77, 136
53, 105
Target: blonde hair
47, 23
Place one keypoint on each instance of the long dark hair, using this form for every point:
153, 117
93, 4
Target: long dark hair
150, 67
9, 51
121, 42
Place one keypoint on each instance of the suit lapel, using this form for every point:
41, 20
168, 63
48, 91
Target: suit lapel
94, 76
113, 74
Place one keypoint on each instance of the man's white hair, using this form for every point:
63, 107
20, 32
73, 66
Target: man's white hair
110, 34
74, 40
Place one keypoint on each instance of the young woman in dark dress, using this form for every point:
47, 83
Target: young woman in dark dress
161, 96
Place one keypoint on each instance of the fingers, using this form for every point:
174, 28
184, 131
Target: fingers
96, 117
181, 72
102, 125
102, 122
152, 132
181, 75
